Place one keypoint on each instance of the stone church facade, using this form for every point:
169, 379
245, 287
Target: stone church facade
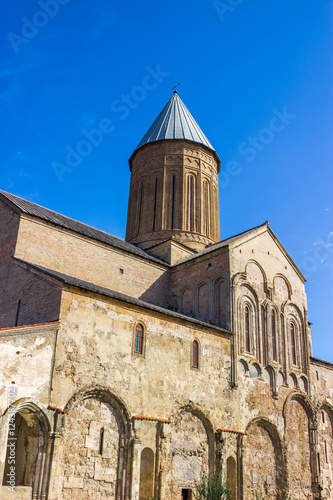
130, 367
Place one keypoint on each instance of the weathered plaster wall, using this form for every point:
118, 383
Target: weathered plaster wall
26, 356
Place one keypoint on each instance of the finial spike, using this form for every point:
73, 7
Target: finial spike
175, 87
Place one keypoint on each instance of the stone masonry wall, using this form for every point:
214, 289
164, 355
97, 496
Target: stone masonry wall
30, 297
89, 260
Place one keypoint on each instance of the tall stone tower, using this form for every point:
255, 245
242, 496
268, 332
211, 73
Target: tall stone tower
174, 184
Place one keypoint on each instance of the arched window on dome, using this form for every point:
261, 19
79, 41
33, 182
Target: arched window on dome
191, 203
206, 209
173, 190
138, 346
195, 354
140, 208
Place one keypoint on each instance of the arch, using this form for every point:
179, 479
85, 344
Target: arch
328, 408
195, 354
269, 375
191, 187
282, 288
256, 275
305, 402
147, 463
187, 300
27, 430
298, 418
173, 211
191, 446
292, 381
247, 297
273, 336
263, 457
232, 476
103, 394
242, 367
87, 412
325, 445
280, 380
292, 343
303, 384
255, 370
139, 338
221, 300
206, 213
203, 300
294, 316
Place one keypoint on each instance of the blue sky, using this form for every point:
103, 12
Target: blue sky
68, 65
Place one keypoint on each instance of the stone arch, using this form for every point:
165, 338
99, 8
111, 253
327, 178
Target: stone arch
325, 447
269, 375
281, 288
147, 467
26, 431
203, 300
304, 384
298, 418
292, 381
187, 300
294, 316
255, 370
248, 298
256, 275
96, 444
263, 460
232, 476
221, 301
243, 367
280, 379
191, 448
270, 308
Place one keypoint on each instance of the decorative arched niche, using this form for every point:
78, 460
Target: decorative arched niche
256, 276
281, 289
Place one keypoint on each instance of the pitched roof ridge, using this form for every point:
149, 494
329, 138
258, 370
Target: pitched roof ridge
108, 292
35, 210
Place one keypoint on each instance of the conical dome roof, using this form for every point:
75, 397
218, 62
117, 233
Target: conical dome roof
175, 122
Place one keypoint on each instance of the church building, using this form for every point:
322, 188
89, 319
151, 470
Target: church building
130, 368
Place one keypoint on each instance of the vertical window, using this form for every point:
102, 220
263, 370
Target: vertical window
190, 203
206, 207
195, 354
138, 348
155, 204
247, 329
173, 201
140, 207
293, 347
101, 439
273, 336
323, 417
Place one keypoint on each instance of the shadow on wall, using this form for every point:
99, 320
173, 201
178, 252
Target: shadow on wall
159, 292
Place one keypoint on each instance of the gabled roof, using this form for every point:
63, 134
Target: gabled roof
240, 238
175, 122
92, 287
35, 210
